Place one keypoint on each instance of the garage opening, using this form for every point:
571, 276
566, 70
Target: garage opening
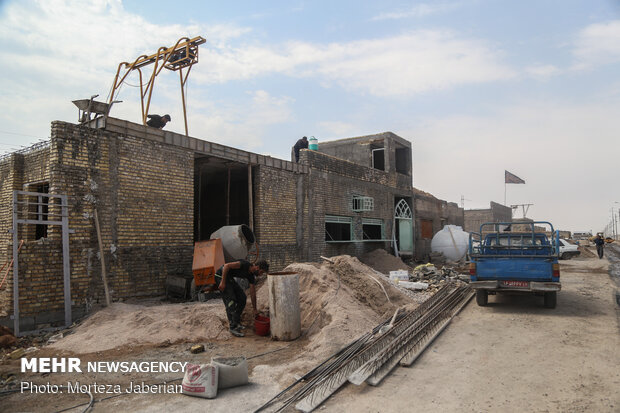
223, 194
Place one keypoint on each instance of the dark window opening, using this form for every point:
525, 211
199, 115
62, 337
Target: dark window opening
372, 231
378, 159
337, 229
402, 160
41, 210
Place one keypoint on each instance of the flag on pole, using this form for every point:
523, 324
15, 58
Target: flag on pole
512, 178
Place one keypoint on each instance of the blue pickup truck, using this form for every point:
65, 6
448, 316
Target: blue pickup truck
514, 257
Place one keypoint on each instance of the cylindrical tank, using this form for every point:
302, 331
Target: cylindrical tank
313, 144
284, 313
452, 241
236, 241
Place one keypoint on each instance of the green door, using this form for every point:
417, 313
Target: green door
404, 220
405, 235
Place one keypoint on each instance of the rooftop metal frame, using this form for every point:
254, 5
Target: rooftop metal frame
184, 54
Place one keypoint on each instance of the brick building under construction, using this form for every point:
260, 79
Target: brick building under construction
157, 192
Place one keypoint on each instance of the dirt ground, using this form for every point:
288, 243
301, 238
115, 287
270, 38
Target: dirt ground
339, 301
514, 356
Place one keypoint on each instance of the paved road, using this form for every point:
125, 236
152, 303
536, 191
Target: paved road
514, 356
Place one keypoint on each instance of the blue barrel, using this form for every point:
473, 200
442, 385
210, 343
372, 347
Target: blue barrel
313, 144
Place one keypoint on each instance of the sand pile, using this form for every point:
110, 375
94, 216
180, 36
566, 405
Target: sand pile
126, 325
339, 302
383, 262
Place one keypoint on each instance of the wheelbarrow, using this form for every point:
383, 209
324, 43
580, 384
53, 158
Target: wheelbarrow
87, 107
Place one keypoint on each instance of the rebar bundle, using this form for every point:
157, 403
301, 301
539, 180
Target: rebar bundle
372, 356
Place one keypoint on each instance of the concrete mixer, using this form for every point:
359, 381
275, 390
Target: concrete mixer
227, 244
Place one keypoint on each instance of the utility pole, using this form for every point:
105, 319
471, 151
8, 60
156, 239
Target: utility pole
524, 208
617, 221
463, 201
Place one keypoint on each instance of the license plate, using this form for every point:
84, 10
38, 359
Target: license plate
521, 284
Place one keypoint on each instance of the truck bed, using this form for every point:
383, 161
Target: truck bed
514, 261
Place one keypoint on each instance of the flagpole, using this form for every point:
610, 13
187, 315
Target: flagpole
504, 192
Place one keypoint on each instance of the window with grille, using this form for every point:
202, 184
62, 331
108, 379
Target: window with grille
362, 203
338, 228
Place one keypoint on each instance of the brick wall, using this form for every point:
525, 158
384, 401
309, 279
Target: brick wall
496, 213
16, 171
143, 192
439, 213
332, 182
276, 215
8, 182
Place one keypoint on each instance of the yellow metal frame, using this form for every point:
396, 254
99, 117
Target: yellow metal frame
184, 54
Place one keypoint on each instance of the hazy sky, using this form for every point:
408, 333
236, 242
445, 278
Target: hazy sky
477, 86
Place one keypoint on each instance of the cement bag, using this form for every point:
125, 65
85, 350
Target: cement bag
200, 380
233, 371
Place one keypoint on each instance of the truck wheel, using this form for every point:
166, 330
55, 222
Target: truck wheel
551, 299
563, 256
482, 297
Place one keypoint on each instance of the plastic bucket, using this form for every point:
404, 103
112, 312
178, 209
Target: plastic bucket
261, 325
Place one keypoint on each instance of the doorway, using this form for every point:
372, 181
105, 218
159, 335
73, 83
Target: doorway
403, 226
222, 195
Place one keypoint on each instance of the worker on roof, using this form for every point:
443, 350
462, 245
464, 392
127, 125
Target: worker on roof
156, 121
233, 295
300, 144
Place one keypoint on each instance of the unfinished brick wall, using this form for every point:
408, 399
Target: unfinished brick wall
16, 171
143, 192
276, 216
496, 213
290, 207
332, 182
439, 213
10, 178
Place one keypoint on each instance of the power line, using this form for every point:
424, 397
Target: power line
21, 134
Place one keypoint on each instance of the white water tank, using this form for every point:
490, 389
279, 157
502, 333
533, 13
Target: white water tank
452, 241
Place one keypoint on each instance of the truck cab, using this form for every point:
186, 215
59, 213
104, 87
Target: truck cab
523, 261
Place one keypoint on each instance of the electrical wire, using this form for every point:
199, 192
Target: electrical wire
18, 134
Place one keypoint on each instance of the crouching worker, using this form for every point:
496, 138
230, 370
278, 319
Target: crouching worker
232, 294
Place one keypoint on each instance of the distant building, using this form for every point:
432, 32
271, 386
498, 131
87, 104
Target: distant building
496, 213
431, 215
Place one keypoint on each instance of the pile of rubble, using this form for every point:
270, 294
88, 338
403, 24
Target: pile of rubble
424, 280
435, 277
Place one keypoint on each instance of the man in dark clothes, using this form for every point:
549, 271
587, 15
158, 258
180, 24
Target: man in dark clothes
156, 121
600, 244
301, 144
232, 294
